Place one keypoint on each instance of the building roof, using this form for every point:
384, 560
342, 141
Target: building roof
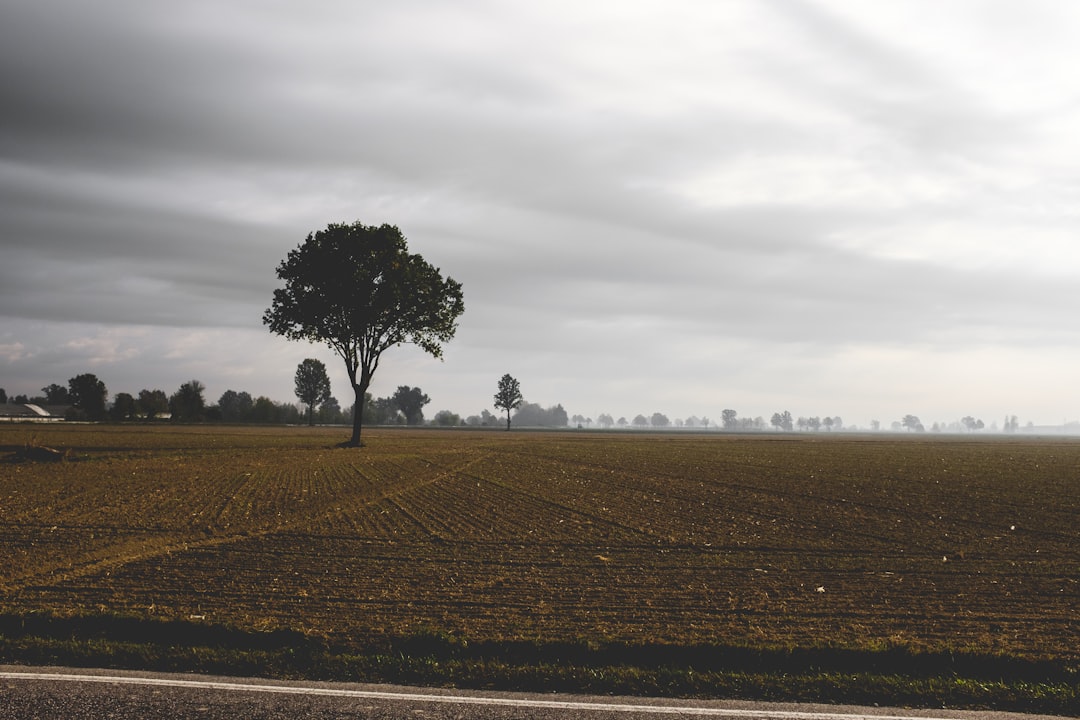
30, 412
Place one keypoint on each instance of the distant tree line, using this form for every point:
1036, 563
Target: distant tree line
86, 398
404, 407
527, 415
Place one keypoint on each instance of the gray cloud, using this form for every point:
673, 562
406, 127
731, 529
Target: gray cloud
646, 206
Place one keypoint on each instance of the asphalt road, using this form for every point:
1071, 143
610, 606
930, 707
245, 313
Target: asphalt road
80, 694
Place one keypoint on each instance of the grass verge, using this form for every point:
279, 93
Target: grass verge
893, 676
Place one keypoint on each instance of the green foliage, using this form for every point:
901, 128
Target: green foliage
357, 289
187, 404
267, 412
411, 402
87, 394
56, 394
330, 412
312, 385
532, 415
381, 411
235, 406
123, 407
152, 403
508, 397
446, 418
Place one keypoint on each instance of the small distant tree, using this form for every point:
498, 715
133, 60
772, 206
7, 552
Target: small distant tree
659, 420
382, 411
187, 404
3, 396
123, 407
912, 422
312, 385
445, 418
56, 394
411, 402
783, 421
88, 394
265, 411
357, 289
235, 406
533, 415
152, 403
604, 420
484, 419
330, 412
729, 419
640, 421
508, 396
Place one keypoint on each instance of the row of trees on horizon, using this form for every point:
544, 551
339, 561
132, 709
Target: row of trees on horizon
87, 397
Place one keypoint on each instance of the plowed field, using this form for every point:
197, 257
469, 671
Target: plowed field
928, 543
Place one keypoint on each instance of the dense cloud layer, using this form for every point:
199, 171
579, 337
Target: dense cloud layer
824, 207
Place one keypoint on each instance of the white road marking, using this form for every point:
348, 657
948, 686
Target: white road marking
459, 699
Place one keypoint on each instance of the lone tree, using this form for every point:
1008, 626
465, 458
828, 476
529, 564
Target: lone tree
187, 404
509, 396
88, 394
912, 422
359, 290
312, 385
411, 402
152, 403
56, 394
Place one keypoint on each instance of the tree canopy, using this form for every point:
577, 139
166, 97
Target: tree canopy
533, 415
411, 402
88, 394
56, 394
508, 396
357, 289
187, 404
152, 403
312, 385
783, 421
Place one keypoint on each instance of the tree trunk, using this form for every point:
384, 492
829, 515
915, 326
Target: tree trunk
358, 416
508, 420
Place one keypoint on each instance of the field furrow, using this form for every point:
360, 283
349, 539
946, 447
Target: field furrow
558, 536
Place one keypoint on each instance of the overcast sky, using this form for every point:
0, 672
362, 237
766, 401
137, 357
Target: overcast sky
831, 207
